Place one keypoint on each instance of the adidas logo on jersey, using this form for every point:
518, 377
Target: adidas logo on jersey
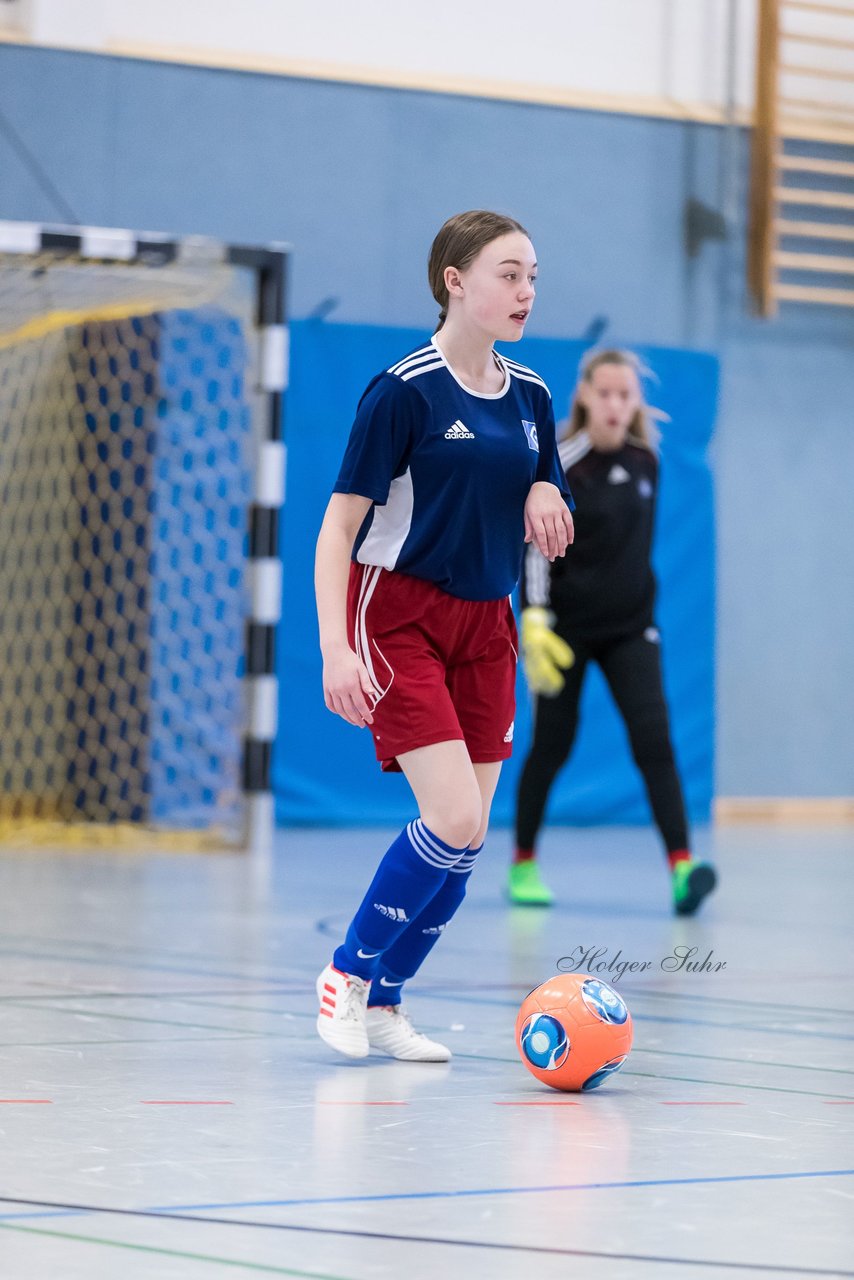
508, 737
435, 929
393, 913
459, 431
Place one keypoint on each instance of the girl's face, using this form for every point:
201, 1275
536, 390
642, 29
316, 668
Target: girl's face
495, 292
612, 397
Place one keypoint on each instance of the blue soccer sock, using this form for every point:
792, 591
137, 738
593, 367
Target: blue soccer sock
405, 957
410, 874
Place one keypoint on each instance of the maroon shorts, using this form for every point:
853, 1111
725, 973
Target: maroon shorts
442, 668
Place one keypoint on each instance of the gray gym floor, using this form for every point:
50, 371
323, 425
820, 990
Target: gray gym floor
167, 1111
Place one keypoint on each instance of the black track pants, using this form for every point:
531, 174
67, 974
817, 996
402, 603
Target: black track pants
632, 668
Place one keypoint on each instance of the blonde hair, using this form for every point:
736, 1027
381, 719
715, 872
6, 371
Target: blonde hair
458, 243
641, 430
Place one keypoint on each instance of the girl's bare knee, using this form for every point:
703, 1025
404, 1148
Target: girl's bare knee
457, 823
479, 836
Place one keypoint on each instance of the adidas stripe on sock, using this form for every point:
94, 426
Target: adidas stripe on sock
411, 872
406, 955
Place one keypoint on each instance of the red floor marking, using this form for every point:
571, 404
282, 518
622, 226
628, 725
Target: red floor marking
565, 1102
702, 1104
343, 1102
183, 1102
839, 1102
26, 1102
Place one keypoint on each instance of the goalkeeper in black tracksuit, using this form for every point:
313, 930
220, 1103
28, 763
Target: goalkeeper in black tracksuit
596, 605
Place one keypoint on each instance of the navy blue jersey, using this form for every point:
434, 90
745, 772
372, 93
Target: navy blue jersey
448, 471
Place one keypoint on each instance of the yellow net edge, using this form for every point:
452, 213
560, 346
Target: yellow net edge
127, 837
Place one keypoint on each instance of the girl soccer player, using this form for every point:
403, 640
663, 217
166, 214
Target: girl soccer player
597, 606
451, 466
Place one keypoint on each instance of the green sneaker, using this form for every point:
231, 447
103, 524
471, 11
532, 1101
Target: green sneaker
525, 888
692, 882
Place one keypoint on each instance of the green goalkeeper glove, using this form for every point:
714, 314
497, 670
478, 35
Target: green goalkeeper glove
544, 655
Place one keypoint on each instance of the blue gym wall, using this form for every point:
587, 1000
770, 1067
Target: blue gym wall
358, 179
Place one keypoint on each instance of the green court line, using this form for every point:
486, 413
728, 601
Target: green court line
652, 1075
118, 962
732, 1084
199, 999
175, 1253
237, 1034
166, 998
229, 1038
130, 1017
230, 1035
749, 1062
243, 1008
150, 995
633, 993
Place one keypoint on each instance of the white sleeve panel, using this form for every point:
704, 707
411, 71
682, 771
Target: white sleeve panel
390, 526
537, 577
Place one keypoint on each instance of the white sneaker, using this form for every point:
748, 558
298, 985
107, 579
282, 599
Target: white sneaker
343, 1003
389, 1029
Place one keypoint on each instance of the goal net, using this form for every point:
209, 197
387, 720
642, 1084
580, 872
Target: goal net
129, 423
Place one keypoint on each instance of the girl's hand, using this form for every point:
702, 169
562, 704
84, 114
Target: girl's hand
347, 688
548, 522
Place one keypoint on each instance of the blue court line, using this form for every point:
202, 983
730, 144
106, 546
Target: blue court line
176, 1210
504, 1191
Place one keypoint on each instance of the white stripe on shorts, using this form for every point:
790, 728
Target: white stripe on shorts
370, 578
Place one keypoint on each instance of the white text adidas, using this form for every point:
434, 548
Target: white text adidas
459, 431
393, 913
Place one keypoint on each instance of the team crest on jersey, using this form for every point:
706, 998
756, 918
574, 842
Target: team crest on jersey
531, 433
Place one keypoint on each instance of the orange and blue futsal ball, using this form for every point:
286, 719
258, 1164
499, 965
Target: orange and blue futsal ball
573, 1032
